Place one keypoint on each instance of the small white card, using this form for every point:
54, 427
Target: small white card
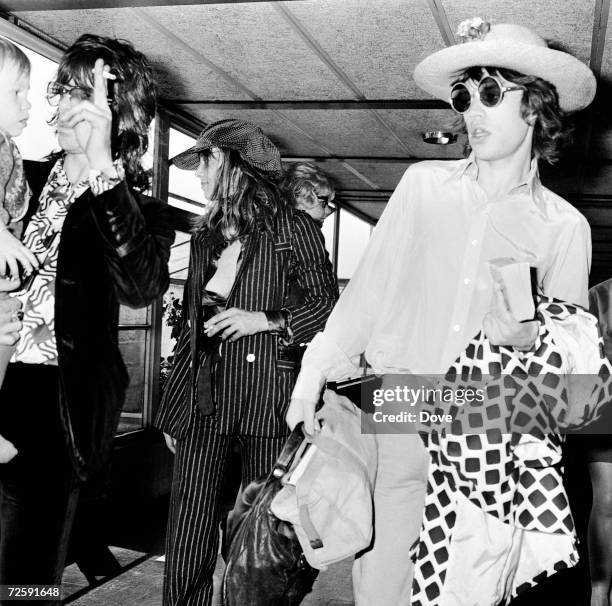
516, 278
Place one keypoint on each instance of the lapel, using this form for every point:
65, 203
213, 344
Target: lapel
252, 244
201, 251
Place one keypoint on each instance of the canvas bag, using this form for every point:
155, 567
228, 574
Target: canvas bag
330, 505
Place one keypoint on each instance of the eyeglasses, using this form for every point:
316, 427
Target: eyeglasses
490, 91
56, 90
326, 202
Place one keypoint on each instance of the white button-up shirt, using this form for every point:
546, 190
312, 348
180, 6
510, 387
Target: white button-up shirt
423, 285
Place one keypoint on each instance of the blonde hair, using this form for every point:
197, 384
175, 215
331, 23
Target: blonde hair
303, 179
9, 53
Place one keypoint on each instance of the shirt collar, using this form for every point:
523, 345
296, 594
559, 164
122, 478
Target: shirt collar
532, 185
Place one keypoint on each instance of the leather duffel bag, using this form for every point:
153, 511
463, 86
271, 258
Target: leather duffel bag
265, 564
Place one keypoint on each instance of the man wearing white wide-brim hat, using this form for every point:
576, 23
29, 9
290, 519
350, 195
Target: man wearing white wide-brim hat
423, 288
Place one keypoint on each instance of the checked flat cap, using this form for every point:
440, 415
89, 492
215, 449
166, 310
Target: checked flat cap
244, 137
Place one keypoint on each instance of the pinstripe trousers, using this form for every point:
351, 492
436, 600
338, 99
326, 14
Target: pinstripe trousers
192, 539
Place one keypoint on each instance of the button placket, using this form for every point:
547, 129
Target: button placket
467, 280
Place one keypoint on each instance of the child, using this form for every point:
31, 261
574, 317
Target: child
14, 190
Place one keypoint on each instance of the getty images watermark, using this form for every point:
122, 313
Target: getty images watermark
417, 398
542, 404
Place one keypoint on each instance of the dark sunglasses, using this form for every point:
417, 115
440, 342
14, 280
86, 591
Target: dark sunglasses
490, 91
326, 201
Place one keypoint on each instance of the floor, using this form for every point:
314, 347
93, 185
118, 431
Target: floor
137, 540
140, 584
137, 543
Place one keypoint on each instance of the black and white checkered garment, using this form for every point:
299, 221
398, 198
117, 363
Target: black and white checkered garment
480, 455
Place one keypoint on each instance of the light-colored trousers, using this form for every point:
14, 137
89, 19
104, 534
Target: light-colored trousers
382, 576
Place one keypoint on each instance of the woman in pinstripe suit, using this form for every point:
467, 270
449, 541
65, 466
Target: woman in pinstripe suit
230, 381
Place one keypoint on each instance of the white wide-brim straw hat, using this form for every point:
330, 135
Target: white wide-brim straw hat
512, 47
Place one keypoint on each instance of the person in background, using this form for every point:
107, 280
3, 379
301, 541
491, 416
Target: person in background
228, 383
423, 288
100, 242
309, 189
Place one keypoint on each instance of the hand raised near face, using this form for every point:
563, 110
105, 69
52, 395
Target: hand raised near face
97, 114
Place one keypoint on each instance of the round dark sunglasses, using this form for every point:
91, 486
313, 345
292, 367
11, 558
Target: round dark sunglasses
490, 90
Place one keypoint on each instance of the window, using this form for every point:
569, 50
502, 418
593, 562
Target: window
135, 344
354, 236
173, 303
328, 229
184, 187
186, 197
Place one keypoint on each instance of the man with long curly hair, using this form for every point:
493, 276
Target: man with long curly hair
100, 242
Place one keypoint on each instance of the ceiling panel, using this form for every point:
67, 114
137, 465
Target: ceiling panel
372, 209
180, 73
411, 124
344, 178
342, 132
385, 175
347, 132
255, 45
377, 44
568, 23
288, 138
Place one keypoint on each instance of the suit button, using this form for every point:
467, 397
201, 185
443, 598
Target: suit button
250, 357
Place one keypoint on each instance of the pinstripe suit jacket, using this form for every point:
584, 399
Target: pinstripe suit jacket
251, 383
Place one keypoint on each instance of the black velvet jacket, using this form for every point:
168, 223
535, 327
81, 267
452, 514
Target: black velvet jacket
114, 249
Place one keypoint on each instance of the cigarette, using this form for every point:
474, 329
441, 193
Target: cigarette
107, 74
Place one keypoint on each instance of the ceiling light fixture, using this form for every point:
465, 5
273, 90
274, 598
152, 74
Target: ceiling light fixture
439, 137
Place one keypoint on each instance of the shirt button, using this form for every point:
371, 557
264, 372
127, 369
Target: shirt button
250, 357
456, 328
474, 242
466, 281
